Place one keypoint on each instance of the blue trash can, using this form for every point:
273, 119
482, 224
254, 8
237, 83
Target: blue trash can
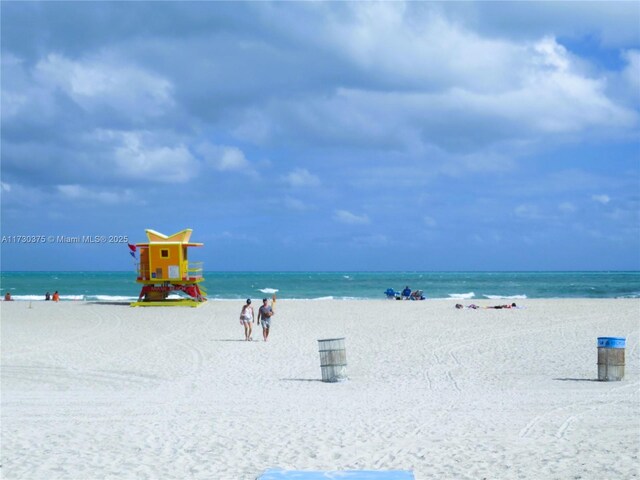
611, 358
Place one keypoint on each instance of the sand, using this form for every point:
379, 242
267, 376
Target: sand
93, 391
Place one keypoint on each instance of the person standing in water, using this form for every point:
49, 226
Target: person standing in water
265, 313
246, 319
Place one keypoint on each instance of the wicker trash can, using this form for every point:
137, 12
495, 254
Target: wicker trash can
333, 359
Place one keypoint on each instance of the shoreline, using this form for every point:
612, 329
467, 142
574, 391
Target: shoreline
426, 302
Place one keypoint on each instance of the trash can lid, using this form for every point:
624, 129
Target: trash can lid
331, 339
611, 342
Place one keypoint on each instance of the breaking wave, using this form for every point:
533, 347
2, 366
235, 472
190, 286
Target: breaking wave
462, 296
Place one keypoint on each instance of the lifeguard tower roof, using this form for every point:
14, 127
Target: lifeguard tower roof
181, 238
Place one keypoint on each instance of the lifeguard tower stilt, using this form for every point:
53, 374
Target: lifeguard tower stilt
164, 268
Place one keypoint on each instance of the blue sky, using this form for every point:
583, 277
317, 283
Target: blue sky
324, 136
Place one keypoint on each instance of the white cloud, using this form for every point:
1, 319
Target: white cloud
255, 126
562, 98
491, 237
551, 55
349, 218
567, 207
106, 82
21, 95
13, 103
451, 88
23, 197
429, 221
626, 83
231, 237
484, 161
83, 194
301, 177
295, 204
612, 24
225, 158
528, 212
434, 50
142, 155
377, 240
632, 71
603, 199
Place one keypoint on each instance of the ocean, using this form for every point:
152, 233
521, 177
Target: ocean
122, 286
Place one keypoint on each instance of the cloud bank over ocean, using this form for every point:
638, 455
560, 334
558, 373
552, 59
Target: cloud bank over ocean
325, 136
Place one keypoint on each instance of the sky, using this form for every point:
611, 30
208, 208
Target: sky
323, 136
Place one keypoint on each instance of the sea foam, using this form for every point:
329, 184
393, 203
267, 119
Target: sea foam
28, 297
462, 295
111, 298
505, 297
268, 290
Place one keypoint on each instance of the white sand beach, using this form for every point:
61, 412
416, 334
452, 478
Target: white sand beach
95, 391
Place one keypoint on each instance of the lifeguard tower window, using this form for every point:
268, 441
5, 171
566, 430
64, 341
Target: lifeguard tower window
164, 253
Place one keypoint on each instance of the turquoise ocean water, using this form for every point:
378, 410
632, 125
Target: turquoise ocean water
121, 286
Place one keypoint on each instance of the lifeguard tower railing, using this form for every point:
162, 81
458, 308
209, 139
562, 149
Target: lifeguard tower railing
194, 271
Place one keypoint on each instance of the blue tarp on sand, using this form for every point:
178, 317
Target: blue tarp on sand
277, 474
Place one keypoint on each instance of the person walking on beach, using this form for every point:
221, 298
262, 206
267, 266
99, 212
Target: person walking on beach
265, 313
246, 319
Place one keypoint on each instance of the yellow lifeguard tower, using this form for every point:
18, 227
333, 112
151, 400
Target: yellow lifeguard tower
164, 268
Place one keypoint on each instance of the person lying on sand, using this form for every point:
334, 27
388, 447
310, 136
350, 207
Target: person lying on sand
513, 305
473, 306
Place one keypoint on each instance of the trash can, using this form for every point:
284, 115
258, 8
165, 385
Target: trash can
611, 358
333, 359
